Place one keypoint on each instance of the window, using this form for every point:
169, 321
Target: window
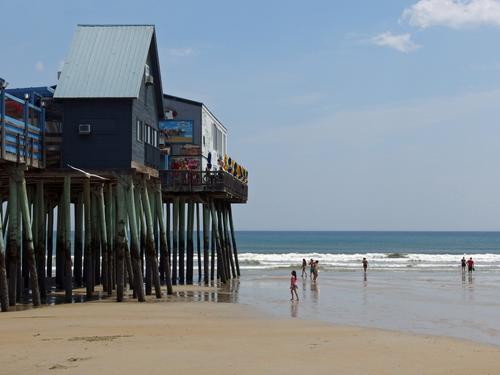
139, 131
147, 71
155, 138
148, 139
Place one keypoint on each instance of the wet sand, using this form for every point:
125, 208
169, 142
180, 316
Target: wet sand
217, 338
425, 302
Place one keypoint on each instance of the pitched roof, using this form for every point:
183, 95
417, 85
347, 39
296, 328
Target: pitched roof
106, 61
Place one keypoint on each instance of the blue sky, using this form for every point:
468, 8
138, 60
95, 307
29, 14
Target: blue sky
349, 115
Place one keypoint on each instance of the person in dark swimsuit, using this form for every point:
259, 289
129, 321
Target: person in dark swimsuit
365, 264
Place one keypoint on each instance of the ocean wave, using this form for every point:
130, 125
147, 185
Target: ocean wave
414, 261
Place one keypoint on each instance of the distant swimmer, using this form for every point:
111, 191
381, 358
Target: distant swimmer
464, 264
470, 265
365, 264
304, 267
293, 285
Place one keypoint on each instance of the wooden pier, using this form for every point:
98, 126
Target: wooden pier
75, 215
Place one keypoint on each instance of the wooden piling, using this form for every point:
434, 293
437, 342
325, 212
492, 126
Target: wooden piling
215, 233
101, 210
182, 236
233, 239
40, 213
120, 241
88, 269
28, 235
164, 250
4, 291
150, 241
109, 204
198, 241
77, 256
95, 245
175, 234
226, 239
189, 243
134, 248
12, 245
50, 238
68, 281
206, 242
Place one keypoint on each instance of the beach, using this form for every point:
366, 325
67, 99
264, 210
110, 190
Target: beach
188, 333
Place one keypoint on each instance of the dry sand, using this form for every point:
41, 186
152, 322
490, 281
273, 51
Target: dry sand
106, 337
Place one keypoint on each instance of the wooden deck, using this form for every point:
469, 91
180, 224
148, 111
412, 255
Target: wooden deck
21, 131
217, 184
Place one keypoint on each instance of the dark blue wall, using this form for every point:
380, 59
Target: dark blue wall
109, 144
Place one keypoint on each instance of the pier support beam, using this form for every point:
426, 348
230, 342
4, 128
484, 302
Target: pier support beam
164, 250
88, 269
134, 248
206, 242
28, 236
68, 281
150, 240
233, 238
120, 242
182, 237
77, 267
12, 247
175, 234
189, 243
4, 292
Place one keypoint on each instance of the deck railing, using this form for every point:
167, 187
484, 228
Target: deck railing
197, 181
22, 130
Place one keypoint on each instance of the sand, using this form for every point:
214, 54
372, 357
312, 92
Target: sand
105, 337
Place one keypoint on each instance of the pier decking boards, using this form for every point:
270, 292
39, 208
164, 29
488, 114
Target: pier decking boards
83, 188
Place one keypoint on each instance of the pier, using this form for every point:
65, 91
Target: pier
98, 186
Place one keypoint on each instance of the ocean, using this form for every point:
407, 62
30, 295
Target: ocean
343, 251
414, 281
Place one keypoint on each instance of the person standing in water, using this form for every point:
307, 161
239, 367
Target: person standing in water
365, 264
470, 265
293, 285
315, 270
311, 268
304, 266
464, 263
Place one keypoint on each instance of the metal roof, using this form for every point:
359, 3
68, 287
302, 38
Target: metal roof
105, 61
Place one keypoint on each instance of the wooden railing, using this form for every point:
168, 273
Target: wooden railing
21, 138
196, 181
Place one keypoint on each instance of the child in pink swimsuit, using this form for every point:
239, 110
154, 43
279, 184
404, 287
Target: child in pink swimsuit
293, 285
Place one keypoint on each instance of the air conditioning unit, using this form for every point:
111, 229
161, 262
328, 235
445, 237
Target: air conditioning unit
84, 129
148, 80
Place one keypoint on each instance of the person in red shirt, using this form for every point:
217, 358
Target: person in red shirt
470, 265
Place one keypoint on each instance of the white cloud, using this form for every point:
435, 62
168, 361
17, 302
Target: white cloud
455, 14
39, 67
180, 52
401, 42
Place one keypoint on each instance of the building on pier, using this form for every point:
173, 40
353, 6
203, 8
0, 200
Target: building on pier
111, 92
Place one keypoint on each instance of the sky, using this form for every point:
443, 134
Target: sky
348, 114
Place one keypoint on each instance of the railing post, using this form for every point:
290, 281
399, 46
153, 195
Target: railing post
42, 135
25, 118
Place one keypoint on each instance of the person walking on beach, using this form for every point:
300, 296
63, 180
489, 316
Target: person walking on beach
470, 265
311, 268
304, 267
464, 263
293, 285
365, 264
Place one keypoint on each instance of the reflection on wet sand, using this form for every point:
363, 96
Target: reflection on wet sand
294, 309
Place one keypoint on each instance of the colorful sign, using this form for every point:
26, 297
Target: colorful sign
176, 131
